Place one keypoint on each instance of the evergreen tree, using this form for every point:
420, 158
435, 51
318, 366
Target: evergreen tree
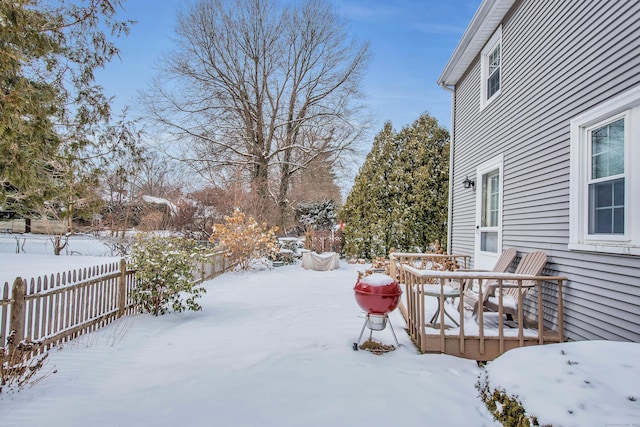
54, 118
366, 210
399, 199
317, 215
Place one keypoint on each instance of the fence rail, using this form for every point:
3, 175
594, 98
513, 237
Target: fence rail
55, 308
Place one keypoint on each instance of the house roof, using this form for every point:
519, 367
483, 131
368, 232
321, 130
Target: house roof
483, 24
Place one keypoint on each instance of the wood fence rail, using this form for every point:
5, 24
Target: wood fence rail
59, 307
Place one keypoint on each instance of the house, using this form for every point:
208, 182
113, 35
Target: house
546, 150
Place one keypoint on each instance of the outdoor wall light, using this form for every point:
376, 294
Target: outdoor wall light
467, 183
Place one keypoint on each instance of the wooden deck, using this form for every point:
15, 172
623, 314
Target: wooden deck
485, 337
475, 347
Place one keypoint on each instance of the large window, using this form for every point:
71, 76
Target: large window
491, 68
605, 143
606, 178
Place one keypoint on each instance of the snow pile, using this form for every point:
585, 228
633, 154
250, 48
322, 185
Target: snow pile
586, 383
377, 279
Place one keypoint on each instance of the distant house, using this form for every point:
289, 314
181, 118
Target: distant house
546, 150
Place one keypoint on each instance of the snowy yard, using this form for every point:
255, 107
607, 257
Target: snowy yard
274, 348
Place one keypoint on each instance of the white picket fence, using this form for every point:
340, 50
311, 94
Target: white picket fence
59, 307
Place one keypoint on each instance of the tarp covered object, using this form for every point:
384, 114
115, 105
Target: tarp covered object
320, 262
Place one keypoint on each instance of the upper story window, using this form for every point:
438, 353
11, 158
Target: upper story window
493, 81
491, 68
605, 142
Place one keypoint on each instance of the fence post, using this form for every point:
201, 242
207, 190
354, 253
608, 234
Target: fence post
122, 287
17, 318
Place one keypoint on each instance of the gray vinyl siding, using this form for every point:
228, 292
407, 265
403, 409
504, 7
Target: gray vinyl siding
559, 59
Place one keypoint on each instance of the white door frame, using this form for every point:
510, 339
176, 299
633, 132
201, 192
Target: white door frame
484, 259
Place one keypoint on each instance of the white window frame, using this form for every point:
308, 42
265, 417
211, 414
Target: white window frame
627, 106
494, 41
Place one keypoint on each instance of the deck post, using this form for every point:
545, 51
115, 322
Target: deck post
480, 313
560, 312
443, 308
461, 312
500, 316
520, 314
540, 314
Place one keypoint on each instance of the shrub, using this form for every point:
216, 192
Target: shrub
506, 409
165, 274
18, 364
243, 239
287, 250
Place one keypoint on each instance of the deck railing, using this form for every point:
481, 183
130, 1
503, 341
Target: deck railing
58, 307
473, 339
425, 261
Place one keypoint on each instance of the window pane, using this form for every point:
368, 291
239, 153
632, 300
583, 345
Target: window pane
493, 81
618, 220
618, 192
493, 84
490, 199
494, 59
607, 150
603, 195
603, 221
606, 207
489, 242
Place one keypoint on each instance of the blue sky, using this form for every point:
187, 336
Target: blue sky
411, 42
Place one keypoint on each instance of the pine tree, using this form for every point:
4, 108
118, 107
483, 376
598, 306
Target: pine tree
366, 210
399, 199
317, 215
53, 116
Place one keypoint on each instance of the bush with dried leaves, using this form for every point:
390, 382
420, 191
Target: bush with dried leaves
243, 239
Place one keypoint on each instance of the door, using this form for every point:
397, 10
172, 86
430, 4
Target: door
488, 236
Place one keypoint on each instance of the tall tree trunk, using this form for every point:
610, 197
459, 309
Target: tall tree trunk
283, 193
261, 180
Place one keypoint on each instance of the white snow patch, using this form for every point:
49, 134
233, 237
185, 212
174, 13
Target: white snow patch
377, 279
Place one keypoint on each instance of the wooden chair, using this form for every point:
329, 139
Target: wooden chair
502, 265
531, 264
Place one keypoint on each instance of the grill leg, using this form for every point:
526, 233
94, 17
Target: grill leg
393, 332
366, 320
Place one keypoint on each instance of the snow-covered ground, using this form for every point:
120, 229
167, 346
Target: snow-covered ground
274, 348
31, 255
79, 245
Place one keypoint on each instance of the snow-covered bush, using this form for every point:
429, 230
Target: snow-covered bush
288, 250
506, 409
165, 274
18, 364
243, 239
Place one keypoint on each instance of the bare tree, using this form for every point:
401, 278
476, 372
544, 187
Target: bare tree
261, 86
158, 176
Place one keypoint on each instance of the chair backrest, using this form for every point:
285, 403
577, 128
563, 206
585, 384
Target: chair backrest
531, 264
501, 266
505, 260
